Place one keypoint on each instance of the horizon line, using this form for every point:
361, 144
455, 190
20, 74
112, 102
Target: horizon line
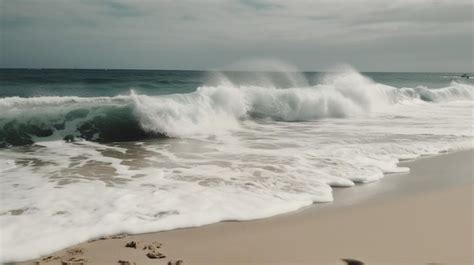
213, 70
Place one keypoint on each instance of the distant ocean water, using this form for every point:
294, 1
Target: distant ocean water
86, 153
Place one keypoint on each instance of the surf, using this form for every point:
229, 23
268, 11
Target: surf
239, 146
210, 109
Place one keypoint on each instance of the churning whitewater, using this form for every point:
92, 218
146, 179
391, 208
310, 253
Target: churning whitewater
78, 167
209, 108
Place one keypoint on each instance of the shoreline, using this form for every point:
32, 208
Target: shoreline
326, 232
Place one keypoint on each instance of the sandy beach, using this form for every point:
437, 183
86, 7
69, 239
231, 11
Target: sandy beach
424, 217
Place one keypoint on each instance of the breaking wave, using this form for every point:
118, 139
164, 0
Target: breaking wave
208, 110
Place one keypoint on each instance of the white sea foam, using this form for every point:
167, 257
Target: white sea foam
218, 107
237, 152
213, 109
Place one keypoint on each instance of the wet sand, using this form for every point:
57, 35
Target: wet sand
424, 217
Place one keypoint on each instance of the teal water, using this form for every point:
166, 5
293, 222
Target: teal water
94, 83
96, 104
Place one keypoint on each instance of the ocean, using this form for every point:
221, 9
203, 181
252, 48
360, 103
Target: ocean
89, 153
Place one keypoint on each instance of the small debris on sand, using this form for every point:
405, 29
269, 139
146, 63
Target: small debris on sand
97, 239
176, 262
131, 244
73, 261
154, 254
126, 262
75, 251
153, 246
71, 257
352, 262
119, 236
49, 258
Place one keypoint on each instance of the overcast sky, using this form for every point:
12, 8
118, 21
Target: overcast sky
376, 35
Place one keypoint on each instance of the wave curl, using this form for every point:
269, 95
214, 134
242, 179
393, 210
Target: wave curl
207, 110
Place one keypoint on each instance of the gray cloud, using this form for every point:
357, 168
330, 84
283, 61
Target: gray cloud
436, 12
260, 4
119, 9
420, 35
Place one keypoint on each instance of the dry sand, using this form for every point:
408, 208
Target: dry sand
425, 217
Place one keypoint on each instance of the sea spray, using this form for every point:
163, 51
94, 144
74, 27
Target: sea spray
208, 110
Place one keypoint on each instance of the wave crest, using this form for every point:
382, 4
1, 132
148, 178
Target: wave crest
208, 110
